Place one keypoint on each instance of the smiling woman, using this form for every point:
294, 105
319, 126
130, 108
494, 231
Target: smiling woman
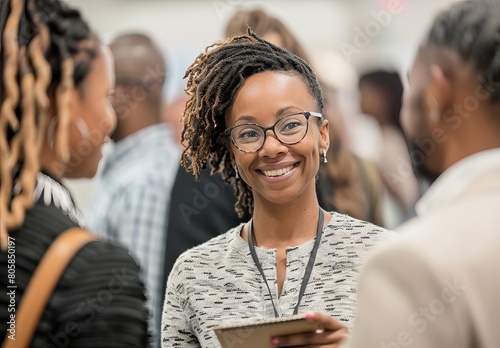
283, 99
254, 113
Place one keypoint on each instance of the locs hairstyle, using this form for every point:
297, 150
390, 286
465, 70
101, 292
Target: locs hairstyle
46, 49
212, 83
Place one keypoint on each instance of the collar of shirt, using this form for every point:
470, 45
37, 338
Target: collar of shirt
136, 142
456, 179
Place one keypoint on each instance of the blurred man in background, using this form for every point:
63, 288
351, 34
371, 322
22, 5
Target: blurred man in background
132, 192
438, 286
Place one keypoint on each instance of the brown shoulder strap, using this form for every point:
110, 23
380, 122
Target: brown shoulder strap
43, 283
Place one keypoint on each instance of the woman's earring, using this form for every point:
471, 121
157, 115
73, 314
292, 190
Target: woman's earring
82, 128
236, 170
434, 109
324, 156
51, 130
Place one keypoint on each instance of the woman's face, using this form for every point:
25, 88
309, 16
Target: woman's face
277, 173
92, 117
275, 38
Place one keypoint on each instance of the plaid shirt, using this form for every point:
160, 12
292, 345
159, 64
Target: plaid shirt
130, 203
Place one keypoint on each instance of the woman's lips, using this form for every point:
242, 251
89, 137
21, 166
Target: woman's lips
278, 172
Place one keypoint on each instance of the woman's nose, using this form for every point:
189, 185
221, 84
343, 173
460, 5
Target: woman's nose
108, 123
272, 147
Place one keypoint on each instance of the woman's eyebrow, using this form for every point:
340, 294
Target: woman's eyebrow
245, 118
280, 112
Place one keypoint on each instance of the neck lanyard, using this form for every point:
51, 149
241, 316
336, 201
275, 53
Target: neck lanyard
310, 263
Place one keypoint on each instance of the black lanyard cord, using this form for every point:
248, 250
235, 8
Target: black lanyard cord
309, 268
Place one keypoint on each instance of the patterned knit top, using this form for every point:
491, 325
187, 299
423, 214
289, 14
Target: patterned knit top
218, 283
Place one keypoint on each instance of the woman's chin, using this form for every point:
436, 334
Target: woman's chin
86, 169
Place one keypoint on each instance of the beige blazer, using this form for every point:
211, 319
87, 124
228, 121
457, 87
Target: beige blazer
438, 285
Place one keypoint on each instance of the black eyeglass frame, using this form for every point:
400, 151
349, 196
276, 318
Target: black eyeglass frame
306, 114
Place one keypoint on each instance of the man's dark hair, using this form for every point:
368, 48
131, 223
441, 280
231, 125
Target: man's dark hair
472, 30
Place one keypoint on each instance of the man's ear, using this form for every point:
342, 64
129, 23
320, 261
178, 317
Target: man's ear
440, 90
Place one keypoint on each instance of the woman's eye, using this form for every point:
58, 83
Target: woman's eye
290, 125
248, 134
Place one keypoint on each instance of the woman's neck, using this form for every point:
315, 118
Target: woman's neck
279, 226
50, 164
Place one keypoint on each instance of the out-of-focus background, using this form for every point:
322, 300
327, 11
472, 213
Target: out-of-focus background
184, 27
344, 38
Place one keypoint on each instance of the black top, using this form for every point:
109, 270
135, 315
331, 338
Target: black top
99, 301
199, 211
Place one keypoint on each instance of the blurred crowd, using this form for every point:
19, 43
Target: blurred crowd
165, 187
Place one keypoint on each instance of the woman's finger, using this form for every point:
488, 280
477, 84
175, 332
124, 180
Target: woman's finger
325, 321
330, 333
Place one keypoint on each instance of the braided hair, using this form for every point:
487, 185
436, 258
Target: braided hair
472, 29
212, 83
46, 49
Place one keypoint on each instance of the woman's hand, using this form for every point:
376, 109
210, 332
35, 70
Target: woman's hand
330, 333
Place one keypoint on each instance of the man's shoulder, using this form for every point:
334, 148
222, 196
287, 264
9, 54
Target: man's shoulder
139, 177
155, 160
449, 240
458, 226
414, 240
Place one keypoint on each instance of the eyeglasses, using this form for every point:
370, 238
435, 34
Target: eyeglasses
289, 130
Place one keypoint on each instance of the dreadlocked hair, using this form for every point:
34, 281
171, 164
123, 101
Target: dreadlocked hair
472, 29
46, 49
212, 83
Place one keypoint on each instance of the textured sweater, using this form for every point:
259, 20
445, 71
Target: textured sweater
218, 283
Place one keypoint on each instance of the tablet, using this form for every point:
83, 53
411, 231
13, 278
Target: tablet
259, 333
